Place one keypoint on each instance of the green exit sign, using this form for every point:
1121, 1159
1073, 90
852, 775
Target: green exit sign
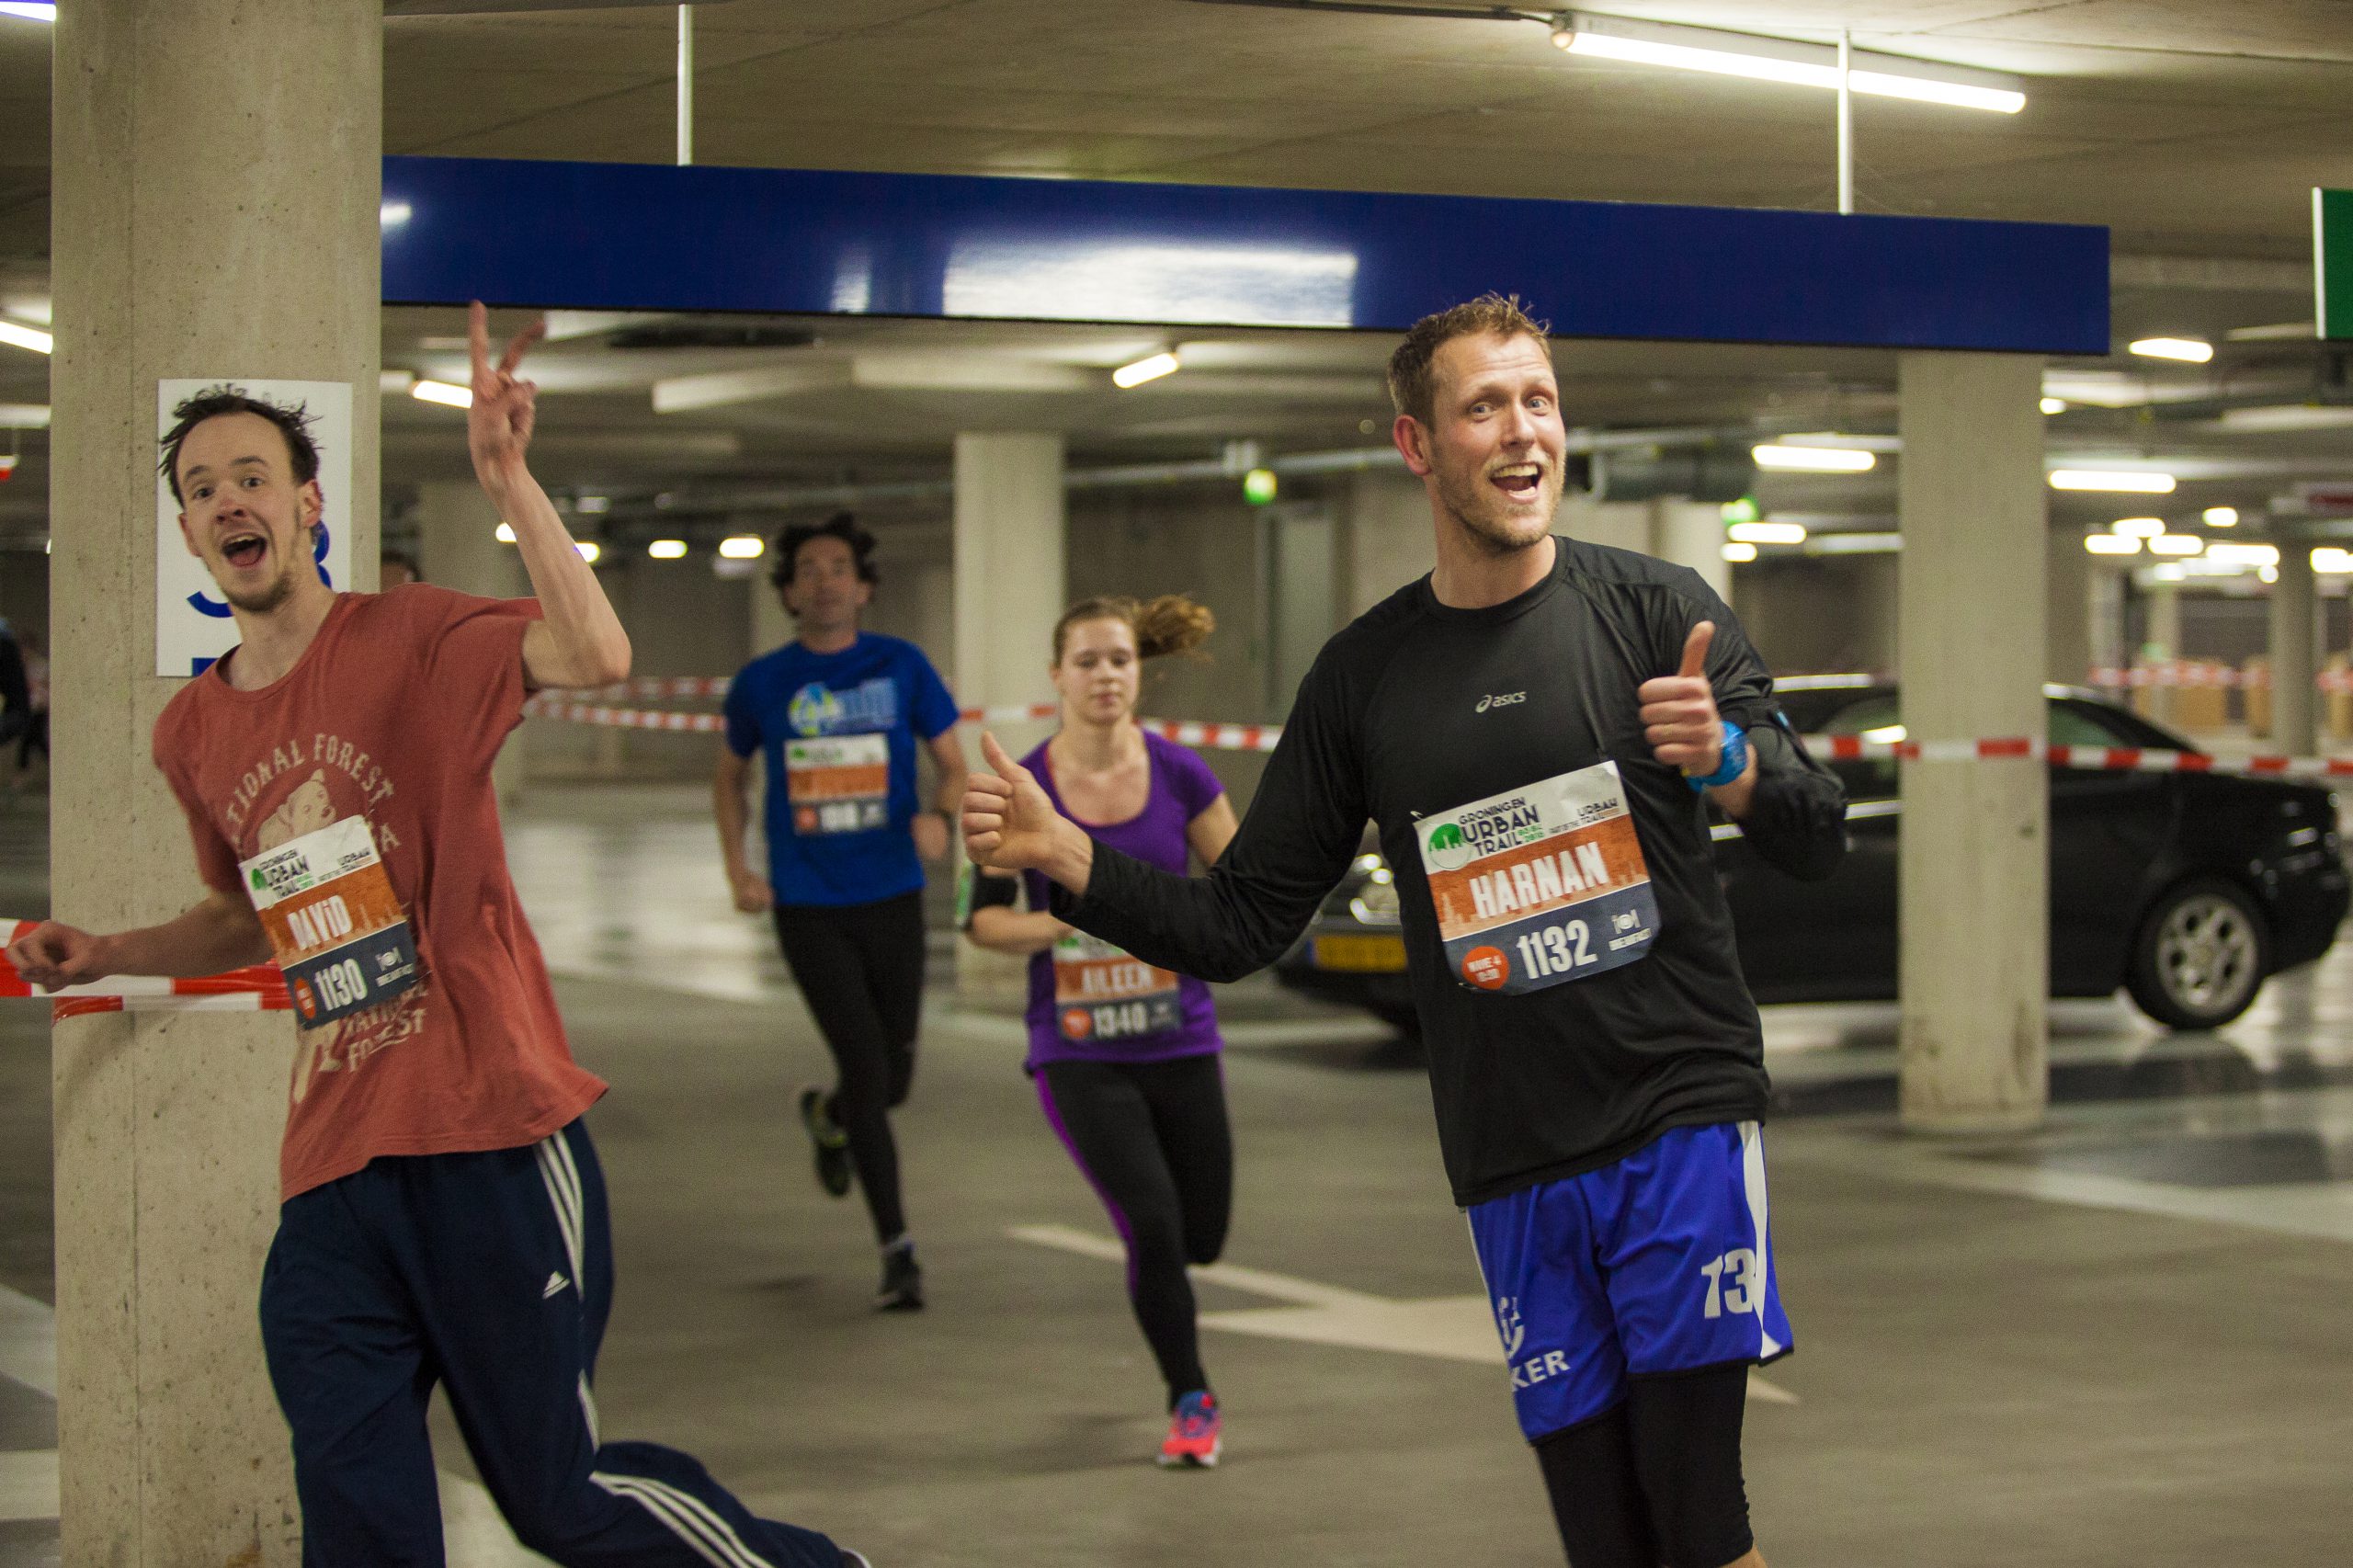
2333, 261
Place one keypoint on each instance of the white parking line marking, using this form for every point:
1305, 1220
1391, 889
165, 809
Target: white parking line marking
27, 1341
1446, 1328
28, 1486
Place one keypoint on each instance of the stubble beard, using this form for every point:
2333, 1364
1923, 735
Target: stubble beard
270, 594
1492, 534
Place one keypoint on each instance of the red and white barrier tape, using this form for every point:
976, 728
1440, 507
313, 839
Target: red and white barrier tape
257, 988
2186, 674
2113, 759
1217, 737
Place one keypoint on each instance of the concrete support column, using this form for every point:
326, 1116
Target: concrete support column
1010, 534
458, 547
2068, 597
2104, 615
2162, 644
1386, 542
1974, 867
189, 239
2295, 662
1691, 533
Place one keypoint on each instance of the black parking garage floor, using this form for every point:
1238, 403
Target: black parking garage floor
2119, 1342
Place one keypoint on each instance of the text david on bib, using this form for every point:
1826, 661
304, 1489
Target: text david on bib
334, 922
1541, 884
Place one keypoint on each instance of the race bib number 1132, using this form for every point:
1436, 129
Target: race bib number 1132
1541, 884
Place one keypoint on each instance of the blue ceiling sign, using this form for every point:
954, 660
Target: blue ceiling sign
654, 237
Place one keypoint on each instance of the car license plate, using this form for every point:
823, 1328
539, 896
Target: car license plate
1362, 955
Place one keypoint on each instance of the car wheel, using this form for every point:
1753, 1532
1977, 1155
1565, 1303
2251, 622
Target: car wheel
2201, 955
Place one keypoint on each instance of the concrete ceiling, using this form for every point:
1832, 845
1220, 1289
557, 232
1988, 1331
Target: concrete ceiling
2194, 130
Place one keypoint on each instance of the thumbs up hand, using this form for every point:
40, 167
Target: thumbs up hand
1010, 824
1679, 716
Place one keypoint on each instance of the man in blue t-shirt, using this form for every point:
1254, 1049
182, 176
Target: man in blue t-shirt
834, 716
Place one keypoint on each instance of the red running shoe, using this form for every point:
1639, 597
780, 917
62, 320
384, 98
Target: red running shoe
1195, 1432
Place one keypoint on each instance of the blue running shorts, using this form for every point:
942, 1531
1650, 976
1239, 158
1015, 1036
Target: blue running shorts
1657, 1264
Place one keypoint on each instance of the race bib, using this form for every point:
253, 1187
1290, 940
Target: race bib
1541, 884
838, 783
340, 934
1105, 996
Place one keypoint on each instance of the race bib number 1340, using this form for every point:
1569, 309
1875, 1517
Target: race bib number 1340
1540, 885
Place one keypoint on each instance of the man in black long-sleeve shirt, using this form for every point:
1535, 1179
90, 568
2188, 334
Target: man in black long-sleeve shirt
1532, 727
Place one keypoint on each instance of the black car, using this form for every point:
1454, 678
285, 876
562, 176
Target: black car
2187, 889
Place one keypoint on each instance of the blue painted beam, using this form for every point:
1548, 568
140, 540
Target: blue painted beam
650, 236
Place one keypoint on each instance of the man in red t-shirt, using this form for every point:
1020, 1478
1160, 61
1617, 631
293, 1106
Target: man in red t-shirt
443, 1215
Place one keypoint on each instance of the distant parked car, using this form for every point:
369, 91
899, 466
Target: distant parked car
2186, 889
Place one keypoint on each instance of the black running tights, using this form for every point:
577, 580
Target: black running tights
1151, 1138
1656, 1480
860, 968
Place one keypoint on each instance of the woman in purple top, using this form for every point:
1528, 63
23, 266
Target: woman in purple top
1125, 1055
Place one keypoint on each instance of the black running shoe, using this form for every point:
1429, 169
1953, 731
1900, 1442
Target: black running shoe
901, 1287
832, 1143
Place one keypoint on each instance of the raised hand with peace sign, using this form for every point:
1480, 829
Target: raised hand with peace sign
499, 420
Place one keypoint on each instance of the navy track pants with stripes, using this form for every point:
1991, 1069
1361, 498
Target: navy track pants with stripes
492, 1275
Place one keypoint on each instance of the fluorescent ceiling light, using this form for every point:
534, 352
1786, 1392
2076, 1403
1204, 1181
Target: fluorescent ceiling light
1836, 438
2286, 416
2168, 572
2333, 560
1785, 61
1740, 554
1813, 459
667, 548
742, 547
1855, 542
392, 214
443, 394
18, 335
2112, 544
594, 504
2054, 405
506, 533
2220, 516
1768, 533
2137, 482
1149, 368
30, 10
589, 550
2176, 544
2245, 554
24, 416
2272, 332
2137, 527
2194, 350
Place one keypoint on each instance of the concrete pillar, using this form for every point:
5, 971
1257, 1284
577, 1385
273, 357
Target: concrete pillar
2162, 644
2068, 623
2295, 664
1010, 538
1973, 869
2104, 613
1386, 540
203, 227
457, 540
458, 547
1691, 533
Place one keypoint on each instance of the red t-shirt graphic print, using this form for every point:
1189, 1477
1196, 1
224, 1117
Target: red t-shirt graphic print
351, 802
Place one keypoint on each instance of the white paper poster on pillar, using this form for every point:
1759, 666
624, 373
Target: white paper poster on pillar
193, 626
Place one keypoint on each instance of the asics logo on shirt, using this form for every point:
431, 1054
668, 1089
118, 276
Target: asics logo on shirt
1501, 699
